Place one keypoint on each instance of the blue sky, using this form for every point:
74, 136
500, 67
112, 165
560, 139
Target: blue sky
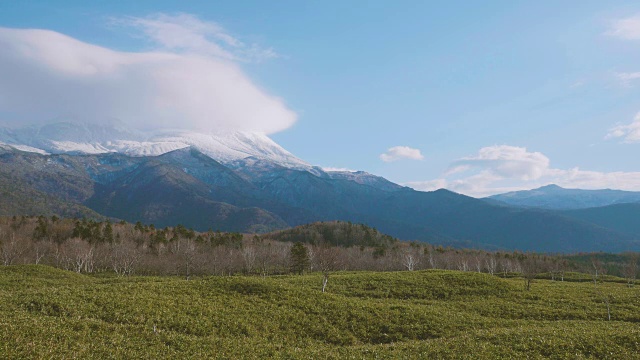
495, 96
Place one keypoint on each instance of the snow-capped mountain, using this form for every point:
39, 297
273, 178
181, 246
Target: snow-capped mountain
245, 182
253, 154
83, 138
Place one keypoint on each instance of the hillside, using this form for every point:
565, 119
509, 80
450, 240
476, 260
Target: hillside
426, 314
623, 218
18, 198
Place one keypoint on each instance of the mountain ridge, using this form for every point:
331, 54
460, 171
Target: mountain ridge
557, 198
188, 187
261, 191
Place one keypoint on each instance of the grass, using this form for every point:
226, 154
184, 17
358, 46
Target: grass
51, 313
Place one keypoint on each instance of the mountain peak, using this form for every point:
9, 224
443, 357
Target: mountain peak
550, 187
91, 138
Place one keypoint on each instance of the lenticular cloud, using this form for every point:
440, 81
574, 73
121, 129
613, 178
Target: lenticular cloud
46, 75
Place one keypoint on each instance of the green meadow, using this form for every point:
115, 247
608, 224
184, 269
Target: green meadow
56, 314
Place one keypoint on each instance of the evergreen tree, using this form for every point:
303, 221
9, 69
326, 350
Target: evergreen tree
107, 232
42, 229
299, 258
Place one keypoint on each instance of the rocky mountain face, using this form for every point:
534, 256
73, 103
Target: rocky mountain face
251, 184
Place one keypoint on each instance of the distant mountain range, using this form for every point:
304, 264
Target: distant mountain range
246, 182
557, 198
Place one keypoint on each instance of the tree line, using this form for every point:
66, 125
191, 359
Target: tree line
90, 246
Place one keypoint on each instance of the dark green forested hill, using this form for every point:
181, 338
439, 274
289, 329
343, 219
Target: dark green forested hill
18, 198
334, 233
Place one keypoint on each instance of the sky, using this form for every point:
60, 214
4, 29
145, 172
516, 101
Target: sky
476, 97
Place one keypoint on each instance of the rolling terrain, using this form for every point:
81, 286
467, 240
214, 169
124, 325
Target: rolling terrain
421, 314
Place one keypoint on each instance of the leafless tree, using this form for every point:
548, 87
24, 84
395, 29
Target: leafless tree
478, 263
463, 264
249, 258
531, 266
40, 250
326, 259
188, 254
124, 258
10, 249
597, 269
410, 259
630, 270
491, 264
76, 255
432, 260
607, 300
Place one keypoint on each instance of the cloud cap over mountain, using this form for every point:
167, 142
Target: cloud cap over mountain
45, 75
401, 152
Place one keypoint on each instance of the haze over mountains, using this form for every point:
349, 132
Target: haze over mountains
555, 197
246, 182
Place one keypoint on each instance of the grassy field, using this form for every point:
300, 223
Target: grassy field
50, 313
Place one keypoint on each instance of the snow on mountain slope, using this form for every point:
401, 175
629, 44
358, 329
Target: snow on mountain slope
364, 178
227, 147
24, 148
68, 137
251, 154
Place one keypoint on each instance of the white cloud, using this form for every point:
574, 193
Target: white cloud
187, 33
508, 161
629, 133
429, 185
627, 28
498, 169
401, 152
185, 84
627, 78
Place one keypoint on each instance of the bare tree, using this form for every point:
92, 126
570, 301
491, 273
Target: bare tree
478, 263
10, 249
76, 255
507, 266
491, 264
249, 258
597, 269
607, 300
410, 259
630, 270
188, 254
463, 264
432, 260
556, 268
326, 259
531, 266
40, 250
124, 258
